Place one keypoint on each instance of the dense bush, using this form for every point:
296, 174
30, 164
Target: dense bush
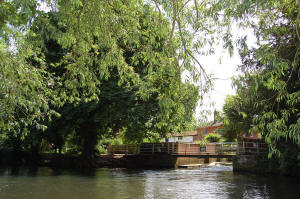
213, 137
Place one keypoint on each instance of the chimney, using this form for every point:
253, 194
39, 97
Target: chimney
215, 116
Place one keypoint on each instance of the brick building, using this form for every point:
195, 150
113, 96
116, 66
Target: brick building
197, 135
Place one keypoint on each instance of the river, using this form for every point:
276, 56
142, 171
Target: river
107, 183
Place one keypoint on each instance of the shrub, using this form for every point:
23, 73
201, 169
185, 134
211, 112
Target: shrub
202, 142
212, 137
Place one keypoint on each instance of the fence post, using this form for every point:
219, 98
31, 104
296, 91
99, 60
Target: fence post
152, 148
126, 149
244, 147
172, 147
257, 147
138, 149
168, 148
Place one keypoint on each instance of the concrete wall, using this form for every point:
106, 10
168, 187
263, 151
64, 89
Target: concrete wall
167, 161
254, 164
188, 160
151, 161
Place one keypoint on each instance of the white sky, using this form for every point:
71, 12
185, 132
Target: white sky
223, 71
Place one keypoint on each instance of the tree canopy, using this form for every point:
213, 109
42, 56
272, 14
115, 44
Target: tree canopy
100, 68
94, 67
267, 97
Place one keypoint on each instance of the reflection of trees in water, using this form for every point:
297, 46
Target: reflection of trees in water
257, 186
19, 171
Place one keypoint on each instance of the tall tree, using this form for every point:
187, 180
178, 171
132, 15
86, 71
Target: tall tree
271, 79
129, 80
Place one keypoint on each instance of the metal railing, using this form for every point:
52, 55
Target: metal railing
224, 148
251, 147
175, 148
123, 149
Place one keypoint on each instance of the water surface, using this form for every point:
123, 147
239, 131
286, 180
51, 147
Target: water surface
211, 182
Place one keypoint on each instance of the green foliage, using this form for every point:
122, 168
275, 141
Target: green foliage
92, 68
267, 97
106, 67
239, 112
203, 142
24, 96
105, 141
212, 137
276, 82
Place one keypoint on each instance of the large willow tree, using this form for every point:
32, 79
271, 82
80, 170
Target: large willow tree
111, 80
102, 66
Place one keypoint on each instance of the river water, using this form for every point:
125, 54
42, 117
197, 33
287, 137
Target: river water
106, 183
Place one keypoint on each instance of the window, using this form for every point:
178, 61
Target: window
179, 137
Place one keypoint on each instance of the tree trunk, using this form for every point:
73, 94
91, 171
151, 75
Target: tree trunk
35, 154
59, 150
17, 158
89, 135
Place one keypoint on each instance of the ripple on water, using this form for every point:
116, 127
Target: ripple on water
211, 182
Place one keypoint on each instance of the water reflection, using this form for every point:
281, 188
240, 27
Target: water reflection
213, 182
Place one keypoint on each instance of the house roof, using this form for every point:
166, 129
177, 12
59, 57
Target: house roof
211, 124
217, 124
185, 133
